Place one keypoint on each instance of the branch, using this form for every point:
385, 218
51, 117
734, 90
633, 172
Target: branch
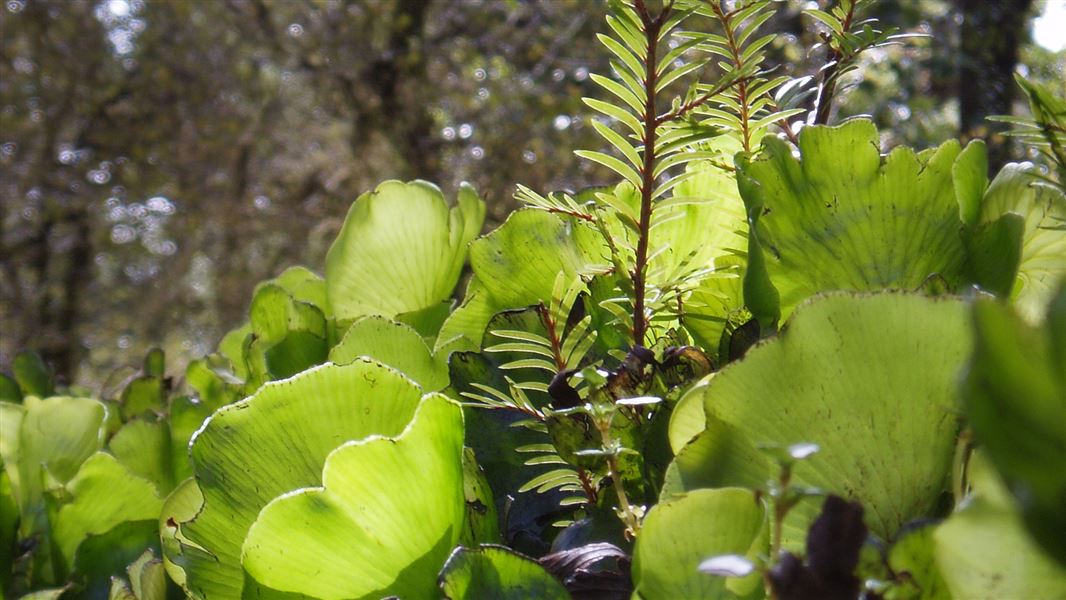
834, 60
784, 125
695, 103
647, 186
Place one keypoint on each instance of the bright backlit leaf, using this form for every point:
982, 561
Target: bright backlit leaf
872, 380
985, 553
679, 534
396, 345
104, 494
387, 515
842, 218
497, 572
517, 264
1043, 251
401, 249
272, 443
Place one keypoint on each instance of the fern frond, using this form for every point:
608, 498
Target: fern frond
746, 110
552, 479
564, 478
565, 346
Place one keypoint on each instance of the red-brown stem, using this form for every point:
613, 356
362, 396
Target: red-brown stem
586, 483
570, 213
539, 416
694, 104
652, 27
553, 337
742, 85
784, 125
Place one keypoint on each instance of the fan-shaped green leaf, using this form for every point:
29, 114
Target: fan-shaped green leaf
11, 416
182, 505
1043, 251
400, 250
382, 524
186, 416
274, 442
215, 386
497, 572
870, 379
155, 363
710, 228
840, 218
706, 235
143, 396
145, 580
104, 494
680, 533
396, 345
144, 448
231, 347
274, 313
970, 173
517, 264
32, 375
717, 297
428, 321
303, 285
912, 559
289, 336
985, 553
465, 327
688, 420
56, 436
9, 520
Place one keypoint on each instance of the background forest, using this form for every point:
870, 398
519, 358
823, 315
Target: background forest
159, 157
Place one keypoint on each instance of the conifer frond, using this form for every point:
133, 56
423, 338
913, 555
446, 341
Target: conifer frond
568, 338
748, 109
650, 149
564, 478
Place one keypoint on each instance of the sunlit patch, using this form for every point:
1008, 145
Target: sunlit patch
1048, 27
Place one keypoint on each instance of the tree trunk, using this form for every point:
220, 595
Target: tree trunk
991, 33
66, 356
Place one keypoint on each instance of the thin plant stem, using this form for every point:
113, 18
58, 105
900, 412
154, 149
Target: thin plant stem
651, 26
629, 516
781, 509
738, 63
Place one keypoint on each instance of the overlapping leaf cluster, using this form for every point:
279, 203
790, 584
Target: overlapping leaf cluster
646, 389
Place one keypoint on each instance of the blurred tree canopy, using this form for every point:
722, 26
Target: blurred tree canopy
159, 157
